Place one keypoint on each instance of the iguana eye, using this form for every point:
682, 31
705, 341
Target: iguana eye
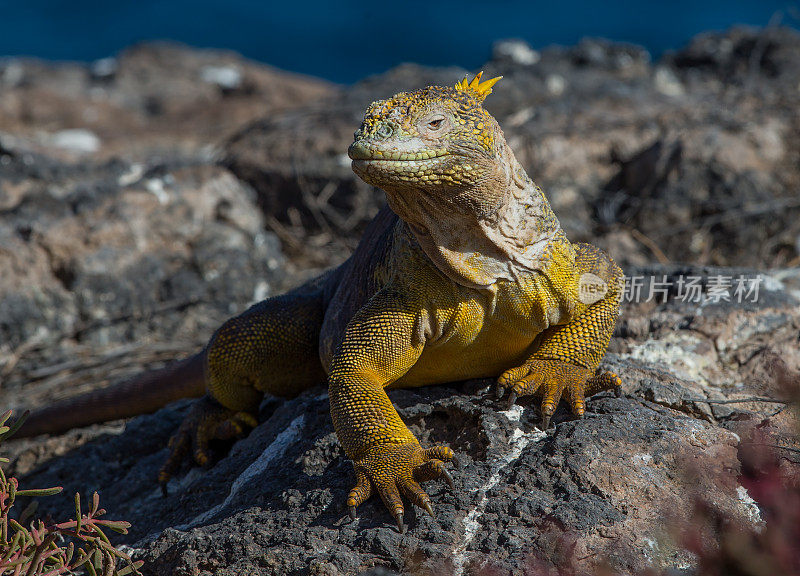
434, 125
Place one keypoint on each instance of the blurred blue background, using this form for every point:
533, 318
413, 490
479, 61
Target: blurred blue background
345, 41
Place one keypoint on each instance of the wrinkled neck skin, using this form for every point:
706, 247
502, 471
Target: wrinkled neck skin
498, 229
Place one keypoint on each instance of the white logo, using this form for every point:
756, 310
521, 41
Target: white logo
591, 288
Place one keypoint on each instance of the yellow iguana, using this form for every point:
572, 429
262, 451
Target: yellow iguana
469, 275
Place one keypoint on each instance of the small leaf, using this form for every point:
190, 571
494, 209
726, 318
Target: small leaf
129, 569
83, 558
17, 526
120, 526
37, 539
64, 526
40, 491
109, 564
15, 546
78, 512
16, 425
29, 511
101, 534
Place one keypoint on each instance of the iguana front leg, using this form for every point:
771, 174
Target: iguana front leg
569, 355
381, 343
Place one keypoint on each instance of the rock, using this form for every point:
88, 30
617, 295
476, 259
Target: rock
104, 68
556, 84
89, 249
275, 503
13, 74
114, 207
741, 54
601, 53
226, 77
668, 83
156, 98
516, 51
79, 141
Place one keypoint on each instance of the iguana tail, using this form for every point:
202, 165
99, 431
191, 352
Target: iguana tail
141, 395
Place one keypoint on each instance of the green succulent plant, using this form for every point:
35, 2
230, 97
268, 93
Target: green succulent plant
32, 547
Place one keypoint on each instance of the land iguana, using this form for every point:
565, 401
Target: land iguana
467, 274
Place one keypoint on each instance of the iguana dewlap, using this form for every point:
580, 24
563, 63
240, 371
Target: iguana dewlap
469, 275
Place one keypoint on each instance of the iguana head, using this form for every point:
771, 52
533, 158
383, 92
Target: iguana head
434, 138
449, 174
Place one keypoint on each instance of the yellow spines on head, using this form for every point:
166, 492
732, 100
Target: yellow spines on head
477, 88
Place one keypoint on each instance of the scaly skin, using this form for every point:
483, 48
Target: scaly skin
468, 276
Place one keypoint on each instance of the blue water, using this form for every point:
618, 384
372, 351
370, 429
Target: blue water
347, 40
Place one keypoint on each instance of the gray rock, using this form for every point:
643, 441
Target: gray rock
517, 51
78, 141
226, 77
585, 489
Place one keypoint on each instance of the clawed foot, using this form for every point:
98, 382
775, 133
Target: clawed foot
392, 470
207, 420
549, 379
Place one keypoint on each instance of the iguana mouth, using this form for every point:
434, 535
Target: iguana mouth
364, 152
387, 162
398, 160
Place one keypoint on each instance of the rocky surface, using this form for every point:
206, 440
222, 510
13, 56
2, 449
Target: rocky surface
144, 199
151, 100
591, 489
122, 237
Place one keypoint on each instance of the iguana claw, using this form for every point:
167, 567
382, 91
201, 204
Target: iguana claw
447, 477
400, 526
549, 379
512, 399
207, 420
394, 471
